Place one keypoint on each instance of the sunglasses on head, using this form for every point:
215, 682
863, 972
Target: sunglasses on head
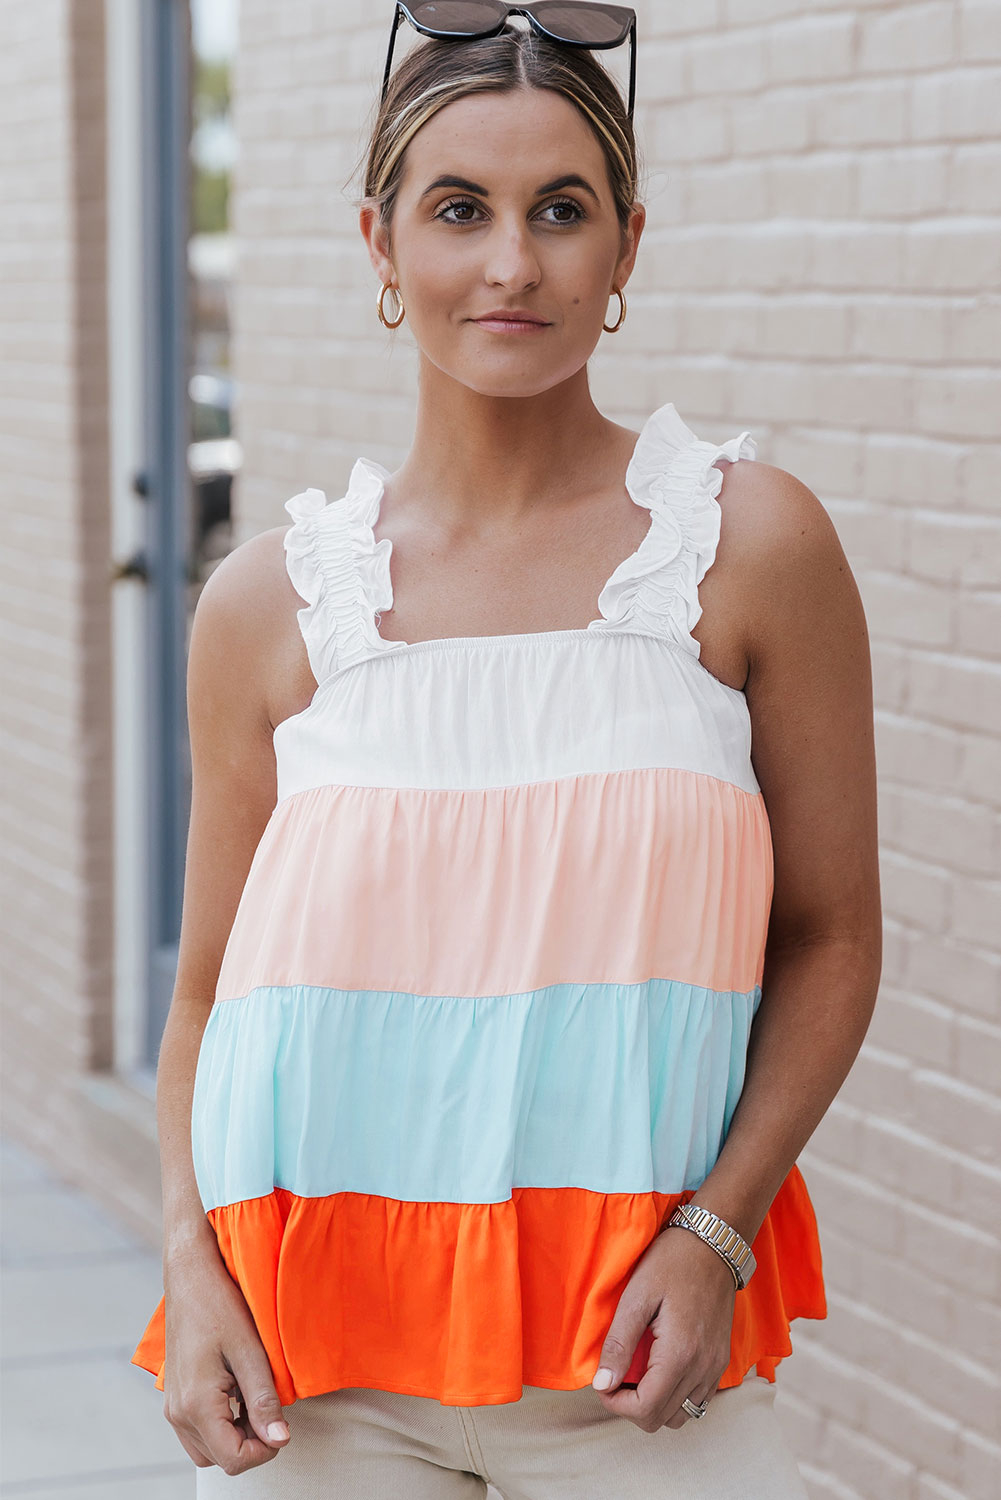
577, 23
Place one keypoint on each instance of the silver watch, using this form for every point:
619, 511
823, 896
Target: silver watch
725, 1240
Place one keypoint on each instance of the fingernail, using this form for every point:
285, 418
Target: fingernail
278, 1431
603, 1379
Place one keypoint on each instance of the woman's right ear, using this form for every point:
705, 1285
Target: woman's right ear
376, 237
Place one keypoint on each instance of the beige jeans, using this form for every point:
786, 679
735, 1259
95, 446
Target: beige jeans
355, 1444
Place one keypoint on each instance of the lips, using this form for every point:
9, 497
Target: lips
509, 317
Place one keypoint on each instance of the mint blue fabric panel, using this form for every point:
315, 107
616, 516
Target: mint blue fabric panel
616, 1088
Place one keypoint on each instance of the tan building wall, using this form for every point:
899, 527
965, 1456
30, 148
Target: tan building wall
822, 265
56, 917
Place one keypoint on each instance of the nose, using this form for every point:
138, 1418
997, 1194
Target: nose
511, 258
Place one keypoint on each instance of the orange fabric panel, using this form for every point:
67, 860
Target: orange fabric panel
469, 1302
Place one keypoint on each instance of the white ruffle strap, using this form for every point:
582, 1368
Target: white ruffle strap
336, 564
673, 473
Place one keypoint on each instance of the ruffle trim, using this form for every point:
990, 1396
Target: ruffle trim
337, 566
673, 473
339, 1297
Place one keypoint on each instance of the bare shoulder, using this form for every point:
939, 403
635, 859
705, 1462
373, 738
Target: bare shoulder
809, 696
767, 509
245, 629
783, 557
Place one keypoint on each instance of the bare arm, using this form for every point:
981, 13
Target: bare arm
233, 795
247, 670
809, 692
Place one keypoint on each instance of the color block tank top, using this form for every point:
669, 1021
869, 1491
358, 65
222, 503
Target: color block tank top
482, 1017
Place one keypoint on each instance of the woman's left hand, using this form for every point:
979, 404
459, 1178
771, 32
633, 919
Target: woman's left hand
685, 1291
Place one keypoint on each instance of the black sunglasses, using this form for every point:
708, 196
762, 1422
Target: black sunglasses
578, 23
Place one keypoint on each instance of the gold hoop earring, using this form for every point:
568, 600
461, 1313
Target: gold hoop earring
622, 314
387, 287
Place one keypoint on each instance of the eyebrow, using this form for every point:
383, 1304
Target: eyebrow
571, 179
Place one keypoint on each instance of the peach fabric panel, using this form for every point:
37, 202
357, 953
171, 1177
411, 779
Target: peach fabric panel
608, 877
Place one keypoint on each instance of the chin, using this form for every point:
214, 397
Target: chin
511, 383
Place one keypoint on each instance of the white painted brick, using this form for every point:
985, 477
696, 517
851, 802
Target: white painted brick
930, 1488
959, 405
914, 753
888, 671
979, 621
915, 473
821, 185
853, 1201
958, 1253
848, 256
981, 1464
861, 113
955, 690
726, 64
867, 1464
724, 192
978, 1192
909, 610
975, 178
664, 71
913, 894
980, 770
917, 1028
965, 1117
811, 48
940, 255
980, 478
955, 105
979, 31
873, 539
912, 329
954, 549
863, 397
700, 16
975, 333
779, 120
968, 976
731, 330
904, 183
945, 831
690, 131
915, 36
977, 914
910, 1296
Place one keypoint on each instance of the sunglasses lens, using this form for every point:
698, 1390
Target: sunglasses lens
595, 25
461, 16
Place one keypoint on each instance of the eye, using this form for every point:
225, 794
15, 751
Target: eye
456, 203
578, 212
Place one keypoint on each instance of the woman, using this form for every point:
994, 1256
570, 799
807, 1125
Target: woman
489, 893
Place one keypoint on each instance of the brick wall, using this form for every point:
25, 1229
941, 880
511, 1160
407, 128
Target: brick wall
822, 265
55, 857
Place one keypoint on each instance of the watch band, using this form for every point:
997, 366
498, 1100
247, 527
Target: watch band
725, 1240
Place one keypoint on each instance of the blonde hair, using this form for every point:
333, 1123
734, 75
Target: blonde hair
436, 72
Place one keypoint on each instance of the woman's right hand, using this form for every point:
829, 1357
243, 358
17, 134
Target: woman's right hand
214, 1353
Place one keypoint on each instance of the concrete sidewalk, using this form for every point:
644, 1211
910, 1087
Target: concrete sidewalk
77, 1420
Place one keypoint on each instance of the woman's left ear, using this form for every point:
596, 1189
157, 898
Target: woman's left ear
633, 234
